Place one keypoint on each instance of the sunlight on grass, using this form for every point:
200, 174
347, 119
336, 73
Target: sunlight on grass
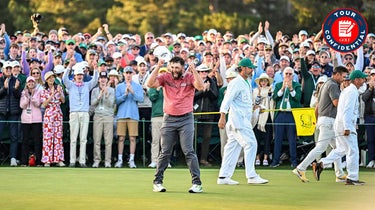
66, 188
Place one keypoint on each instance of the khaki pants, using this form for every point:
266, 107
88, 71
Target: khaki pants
79, 124
156, 123
103, 126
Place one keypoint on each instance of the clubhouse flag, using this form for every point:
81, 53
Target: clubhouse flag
305, 121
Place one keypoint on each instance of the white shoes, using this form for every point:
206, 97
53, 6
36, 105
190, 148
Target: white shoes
13, 162
257, 180
159, 188
60, 164
227, 181
132, 164
118, 164
196, 188
96, 164
152, 165
257, 162
370, 164
107, 165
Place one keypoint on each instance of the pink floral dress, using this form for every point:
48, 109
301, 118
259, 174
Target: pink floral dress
53, 148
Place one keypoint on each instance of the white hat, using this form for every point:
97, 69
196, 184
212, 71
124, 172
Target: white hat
141, 62
184, 49
322, 78
371, 35
305, 44
212, 31
113, 73
201, 42
262, 40
15, 63
245, 47
59, 69
122, 41
310, 52
264, 76
181, 35
78, 68
285, 58
153, 45
230, 74
109, 43
126, 36
116, 55
303, 32
203, 67
84, 64
7, 64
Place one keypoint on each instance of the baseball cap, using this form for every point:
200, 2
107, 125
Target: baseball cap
116, 55
246, 62
70, 41
113, 73
303, 32
128, 69
59, 69
103, 74
310, 52
15, 63
35, 60
285, 58
357, 74
78, 69
30, 78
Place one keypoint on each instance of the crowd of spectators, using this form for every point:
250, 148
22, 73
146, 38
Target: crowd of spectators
59, 76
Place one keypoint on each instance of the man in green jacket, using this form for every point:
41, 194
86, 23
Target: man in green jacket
287, 95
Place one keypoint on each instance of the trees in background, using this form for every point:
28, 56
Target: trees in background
191, 17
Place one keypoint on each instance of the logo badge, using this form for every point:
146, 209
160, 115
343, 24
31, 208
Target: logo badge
345, 29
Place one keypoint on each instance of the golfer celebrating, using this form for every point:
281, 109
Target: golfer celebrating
238, 101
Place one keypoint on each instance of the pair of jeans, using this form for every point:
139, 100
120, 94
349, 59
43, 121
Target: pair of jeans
13, 122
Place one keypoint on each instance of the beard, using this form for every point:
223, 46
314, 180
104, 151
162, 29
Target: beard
176, 75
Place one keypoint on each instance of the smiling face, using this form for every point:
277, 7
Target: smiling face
176, 69
30, 84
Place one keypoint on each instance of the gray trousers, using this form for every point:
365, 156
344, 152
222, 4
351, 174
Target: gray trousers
174, 128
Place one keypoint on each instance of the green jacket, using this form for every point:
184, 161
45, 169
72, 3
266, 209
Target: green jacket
157, 98
295, 102
308, 84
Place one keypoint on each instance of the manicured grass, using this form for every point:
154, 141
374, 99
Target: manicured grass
67, 188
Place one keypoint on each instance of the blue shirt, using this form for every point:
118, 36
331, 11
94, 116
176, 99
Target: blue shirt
77, 56
279, 77
79, 96
127, 104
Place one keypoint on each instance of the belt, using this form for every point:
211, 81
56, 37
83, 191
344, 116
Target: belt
183, 115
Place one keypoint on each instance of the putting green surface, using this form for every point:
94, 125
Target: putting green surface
89, 188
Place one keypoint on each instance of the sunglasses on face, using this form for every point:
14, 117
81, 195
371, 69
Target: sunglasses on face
128, 72
150, 37
287, 73
316, 66
34, 73
324, 57
70, 44
204, 71
348, 58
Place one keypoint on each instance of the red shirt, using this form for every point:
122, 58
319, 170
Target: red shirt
123, 61
178, 94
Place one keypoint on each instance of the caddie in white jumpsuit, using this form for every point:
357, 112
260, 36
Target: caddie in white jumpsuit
238, 102
345, 130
